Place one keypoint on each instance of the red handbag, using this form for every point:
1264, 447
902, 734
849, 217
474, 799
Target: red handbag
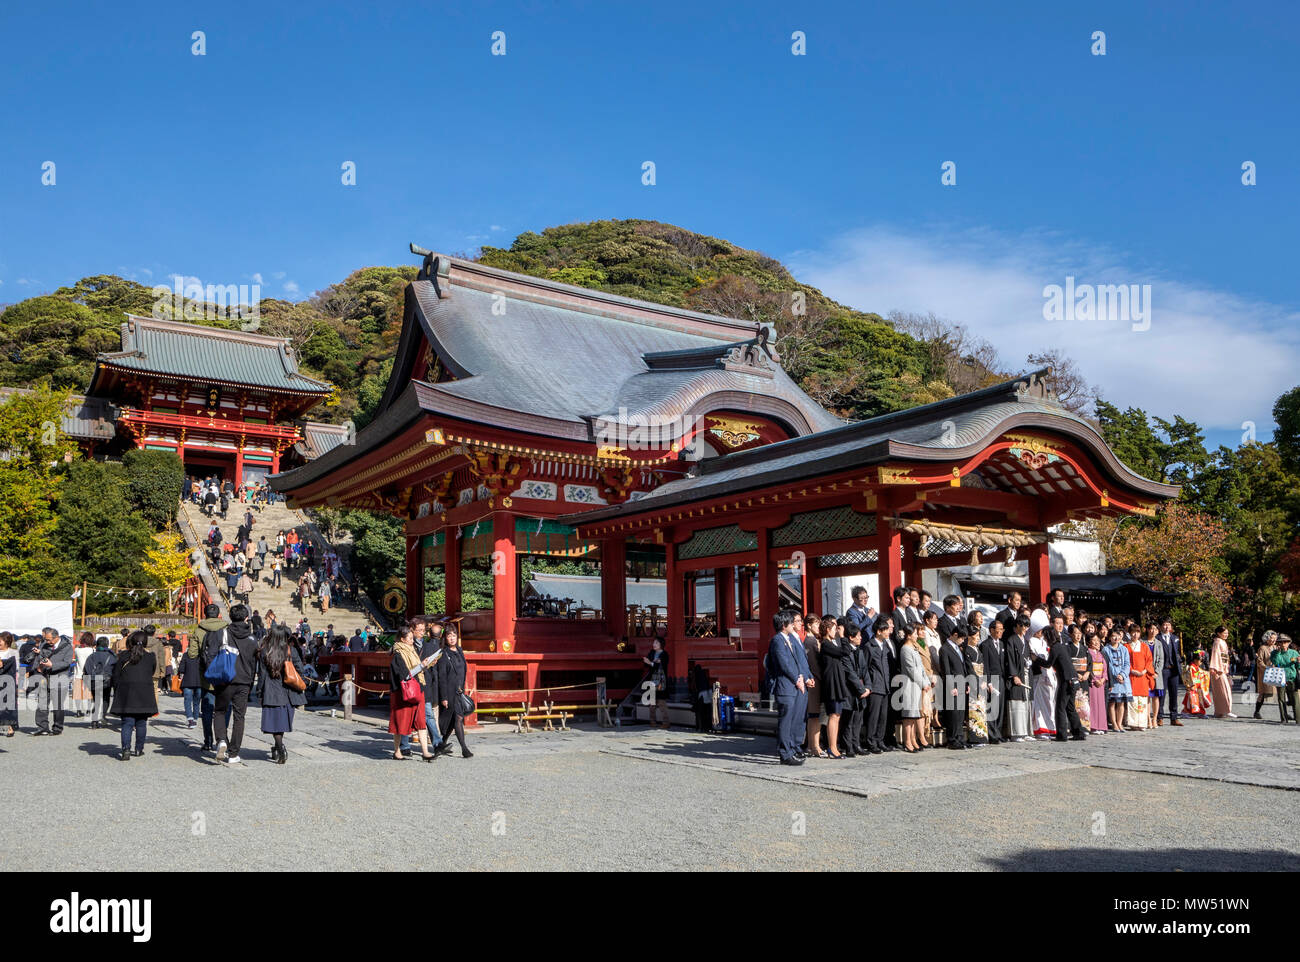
412, 693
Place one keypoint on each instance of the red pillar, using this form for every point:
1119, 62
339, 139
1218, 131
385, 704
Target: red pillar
275, 460
889, 564
451, 569
766, 580
678, 647
239, 465
911, 564
813, 585
414, 576
1040, 573
613, 585
724, 592
505, 579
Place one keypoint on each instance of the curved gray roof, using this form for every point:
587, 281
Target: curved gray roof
558, 353
952, 429
204, 353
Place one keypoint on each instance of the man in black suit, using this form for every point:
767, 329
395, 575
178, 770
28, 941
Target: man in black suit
1016, 677
1067, 681
877, 685
898, 615
953, 694
914, 606
952, 613
994, 654
1173, 669
1009, 614
899, 620
856, 668
1056, 603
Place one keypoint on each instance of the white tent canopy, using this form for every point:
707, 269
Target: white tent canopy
28, 617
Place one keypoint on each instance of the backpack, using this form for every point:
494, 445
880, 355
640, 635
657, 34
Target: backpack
221, 669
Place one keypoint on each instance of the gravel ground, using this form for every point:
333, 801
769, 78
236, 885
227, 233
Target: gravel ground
607, 800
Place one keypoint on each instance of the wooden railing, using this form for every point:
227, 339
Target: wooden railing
281, 432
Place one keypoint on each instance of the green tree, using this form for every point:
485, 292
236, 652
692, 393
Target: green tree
100, 535
1286, 412
1258, 500
154, 481
35, 448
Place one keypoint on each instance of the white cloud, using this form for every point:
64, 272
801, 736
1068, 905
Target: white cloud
278, 275
497, 227
257, 278
290, 287
1192, 361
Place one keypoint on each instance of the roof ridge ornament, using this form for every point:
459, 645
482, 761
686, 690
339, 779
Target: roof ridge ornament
754, 356
436, 268
1037, 388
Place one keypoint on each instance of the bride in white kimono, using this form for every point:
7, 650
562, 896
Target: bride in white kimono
1043, 722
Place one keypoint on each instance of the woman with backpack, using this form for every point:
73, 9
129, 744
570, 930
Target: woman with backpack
135, 698
191, 678
97, 678
281, 689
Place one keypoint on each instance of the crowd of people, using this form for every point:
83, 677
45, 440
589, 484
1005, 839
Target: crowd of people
926, 676
243, 564
214, 496
101, 678
919, 677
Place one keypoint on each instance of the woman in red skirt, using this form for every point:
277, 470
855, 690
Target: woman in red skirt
407, 718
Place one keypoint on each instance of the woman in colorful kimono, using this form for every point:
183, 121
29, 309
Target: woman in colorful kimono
1141, 675
1045, 680
1221, 675
1120, 692
1082, 659
1096, 686
977, 726
1198, 687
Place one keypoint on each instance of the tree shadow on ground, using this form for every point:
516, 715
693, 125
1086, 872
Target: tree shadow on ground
1146, 860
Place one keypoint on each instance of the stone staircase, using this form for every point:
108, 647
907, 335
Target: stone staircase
268, 520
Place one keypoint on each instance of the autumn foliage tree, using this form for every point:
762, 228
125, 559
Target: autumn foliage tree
1181, 553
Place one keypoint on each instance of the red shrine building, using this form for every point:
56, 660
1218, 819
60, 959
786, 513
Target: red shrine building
527, 419
229, 403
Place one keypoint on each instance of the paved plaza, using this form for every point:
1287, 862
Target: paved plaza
1204, 796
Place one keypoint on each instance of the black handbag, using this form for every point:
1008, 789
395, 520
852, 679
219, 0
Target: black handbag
464, 704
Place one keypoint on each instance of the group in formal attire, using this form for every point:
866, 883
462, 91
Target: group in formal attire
923, 676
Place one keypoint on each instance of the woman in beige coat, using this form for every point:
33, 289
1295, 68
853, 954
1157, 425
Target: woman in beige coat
1263, 659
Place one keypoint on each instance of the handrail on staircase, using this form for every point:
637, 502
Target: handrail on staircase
192, 540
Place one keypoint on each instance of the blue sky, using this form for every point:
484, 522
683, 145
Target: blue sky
1123, 168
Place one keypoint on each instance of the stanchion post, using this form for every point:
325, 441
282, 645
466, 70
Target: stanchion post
602, 699
348, 698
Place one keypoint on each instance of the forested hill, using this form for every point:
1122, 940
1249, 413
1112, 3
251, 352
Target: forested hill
855, 363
